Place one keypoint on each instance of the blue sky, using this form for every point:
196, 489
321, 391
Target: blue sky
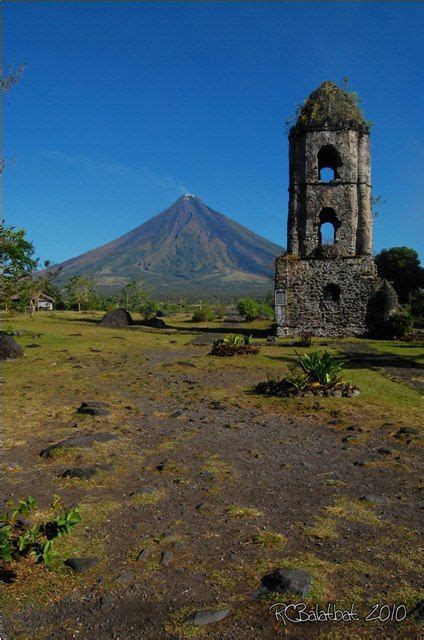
124, 106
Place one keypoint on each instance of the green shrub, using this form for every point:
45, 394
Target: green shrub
19, 538
248, 308
320, 367
203, 314
149, 308
220, 311
232, 345
400, 324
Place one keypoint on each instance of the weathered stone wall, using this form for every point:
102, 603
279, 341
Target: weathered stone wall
302, 290
349, 194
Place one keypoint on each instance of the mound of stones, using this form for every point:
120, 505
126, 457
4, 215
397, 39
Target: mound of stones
117, 318
157, 323
9, 348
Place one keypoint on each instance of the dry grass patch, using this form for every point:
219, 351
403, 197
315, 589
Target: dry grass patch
270, 539
237, 511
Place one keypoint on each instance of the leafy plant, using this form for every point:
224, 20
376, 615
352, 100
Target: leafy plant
232, 345
400, 324
203, 314
149, 308
20, 538
320, 367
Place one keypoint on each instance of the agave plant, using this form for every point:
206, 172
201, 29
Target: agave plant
319, 367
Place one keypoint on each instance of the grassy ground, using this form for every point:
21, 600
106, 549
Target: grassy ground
237, 483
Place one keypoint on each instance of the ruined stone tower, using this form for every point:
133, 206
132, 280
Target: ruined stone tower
327, 281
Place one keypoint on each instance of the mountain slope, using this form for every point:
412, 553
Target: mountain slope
187, 249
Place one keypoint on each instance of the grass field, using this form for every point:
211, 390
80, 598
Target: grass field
230, 484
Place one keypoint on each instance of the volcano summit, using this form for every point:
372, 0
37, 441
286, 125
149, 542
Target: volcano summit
188, 249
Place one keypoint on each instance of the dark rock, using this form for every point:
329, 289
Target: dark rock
143, 554
85, 440
166, 557
406, 433
93, 408
157, 323
372, 499
106, 601
294, 580
349, 438
83, 473
9, 348
117, 318
80, 565
127, 576
418, 611
207, 616
33, 345
161, 466
176, 414
385, 450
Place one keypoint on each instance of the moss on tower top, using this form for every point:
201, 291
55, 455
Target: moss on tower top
330, 107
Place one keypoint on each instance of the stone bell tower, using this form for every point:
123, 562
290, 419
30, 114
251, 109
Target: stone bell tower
327, 282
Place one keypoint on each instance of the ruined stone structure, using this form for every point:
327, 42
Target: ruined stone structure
327, 281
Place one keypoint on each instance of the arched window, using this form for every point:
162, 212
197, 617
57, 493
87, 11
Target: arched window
328, 226
328, 163
331, 292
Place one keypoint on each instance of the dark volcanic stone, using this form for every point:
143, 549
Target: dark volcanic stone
294, 580
9, 348
93, 408
33, 345
80, 565
207, 616
83, 473
117, 318
84, 440
166, 557
158, 323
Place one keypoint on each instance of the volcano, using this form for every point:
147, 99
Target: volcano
188, 249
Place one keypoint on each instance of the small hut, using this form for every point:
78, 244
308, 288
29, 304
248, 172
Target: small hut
41, 302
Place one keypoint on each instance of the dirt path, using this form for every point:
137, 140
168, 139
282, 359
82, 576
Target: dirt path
221, 467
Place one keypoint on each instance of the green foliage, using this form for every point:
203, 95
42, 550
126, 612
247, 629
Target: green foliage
203, 314
417, 305
18, 538
17, 262
149, 308
248, 308
232, 345
220, 311
81, 291
133, 295
401, 266
320, 367
400, 324
252, 309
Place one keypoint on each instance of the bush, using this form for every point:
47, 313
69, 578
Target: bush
248, 308
320, 367
220, 311
149, 308
19, 538
400, 324
203, 314
232, 345
314, 374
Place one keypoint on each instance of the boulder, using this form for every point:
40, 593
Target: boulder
157, 323
80, 565
9, 348
207, 616
294, 580
117, 318
85, 440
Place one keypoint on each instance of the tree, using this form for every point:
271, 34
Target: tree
17, 262
401, 266
132, 295
248, 308
80, 290
149, 308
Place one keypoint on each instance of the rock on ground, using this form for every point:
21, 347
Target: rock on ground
207, 616
9, 348
118, 318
